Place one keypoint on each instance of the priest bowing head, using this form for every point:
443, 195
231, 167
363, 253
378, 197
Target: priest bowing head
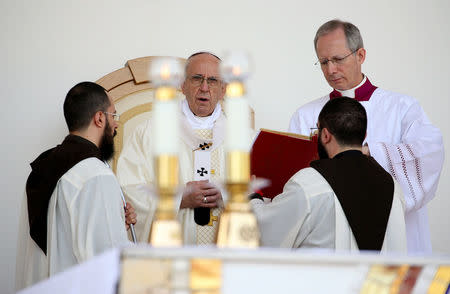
344, 201
340, 52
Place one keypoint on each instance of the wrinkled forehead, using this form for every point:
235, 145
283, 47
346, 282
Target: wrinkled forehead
203, 64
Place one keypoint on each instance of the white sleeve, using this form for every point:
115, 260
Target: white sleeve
295, 124
305, 117
136, 176
281, 220
302, 122
135, 163
97, 218
31, 262
416, 162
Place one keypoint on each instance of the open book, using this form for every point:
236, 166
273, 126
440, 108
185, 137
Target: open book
277, 156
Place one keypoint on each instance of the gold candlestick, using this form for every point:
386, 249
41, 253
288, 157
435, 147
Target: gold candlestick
166, 230
165, 74
238, 226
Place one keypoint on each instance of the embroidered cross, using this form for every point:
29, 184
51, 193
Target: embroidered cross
202, 171
212, 218
204, 146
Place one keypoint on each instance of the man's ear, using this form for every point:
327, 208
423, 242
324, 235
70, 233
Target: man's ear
326, 136
361, 55
99, 119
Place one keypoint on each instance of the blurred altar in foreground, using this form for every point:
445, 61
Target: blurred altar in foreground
144, 269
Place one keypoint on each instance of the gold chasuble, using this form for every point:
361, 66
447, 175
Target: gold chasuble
204, 157
135, 171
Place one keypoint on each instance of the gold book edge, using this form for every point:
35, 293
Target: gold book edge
293, 135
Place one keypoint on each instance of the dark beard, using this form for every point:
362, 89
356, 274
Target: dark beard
107, 143
321, 149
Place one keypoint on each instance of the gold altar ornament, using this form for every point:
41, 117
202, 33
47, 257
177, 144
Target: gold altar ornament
237, 226
166, 75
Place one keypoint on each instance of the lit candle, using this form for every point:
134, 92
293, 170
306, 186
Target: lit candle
238, 226
238, 124
235, 69
166, 72
166, 75
165, 127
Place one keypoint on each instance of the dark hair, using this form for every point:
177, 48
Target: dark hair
352, 34
346, 119
82, 102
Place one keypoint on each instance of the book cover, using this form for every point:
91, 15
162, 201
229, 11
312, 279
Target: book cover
277, 156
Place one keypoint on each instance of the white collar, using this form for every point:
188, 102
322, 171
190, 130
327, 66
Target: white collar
197, 122
351, 92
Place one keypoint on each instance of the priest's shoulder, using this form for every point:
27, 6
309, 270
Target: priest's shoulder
311, 181
391, 98
87, 169
313, 105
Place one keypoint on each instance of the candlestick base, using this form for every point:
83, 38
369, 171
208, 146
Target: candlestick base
238, 227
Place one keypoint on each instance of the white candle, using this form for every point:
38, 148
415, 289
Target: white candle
238, 124
166, 71
165, 127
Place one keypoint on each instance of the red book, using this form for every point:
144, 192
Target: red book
277, 156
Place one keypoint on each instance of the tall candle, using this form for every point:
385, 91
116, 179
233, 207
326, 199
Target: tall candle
165, 127
166, 75
238, 124
235, 69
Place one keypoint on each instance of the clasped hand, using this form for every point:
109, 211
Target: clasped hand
201, 194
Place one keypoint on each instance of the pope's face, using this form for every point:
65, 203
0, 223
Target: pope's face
345, 74
203, 95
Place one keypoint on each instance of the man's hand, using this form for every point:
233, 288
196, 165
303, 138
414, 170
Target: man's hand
130, 216
201, 194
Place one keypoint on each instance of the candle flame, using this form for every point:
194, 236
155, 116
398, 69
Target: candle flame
236, 71
165, 72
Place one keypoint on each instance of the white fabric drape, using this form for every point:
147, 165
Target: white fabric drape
200, 123
85, 218
308, 215
135, 171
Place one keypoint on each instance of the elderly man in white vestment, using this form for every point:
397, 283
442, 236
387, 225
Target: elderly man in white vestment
74, 208
201, 156
344, 201
399, 134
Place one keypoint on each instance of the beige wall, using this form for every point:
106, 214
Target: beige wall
48, 46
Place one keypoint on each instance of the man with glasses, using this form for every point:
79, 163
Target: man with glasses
399, 135
201, 157
74, 208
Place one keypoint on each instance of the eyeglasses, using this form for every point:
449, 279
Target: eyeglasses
115, 116
197, 80
313, 132
334, 60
